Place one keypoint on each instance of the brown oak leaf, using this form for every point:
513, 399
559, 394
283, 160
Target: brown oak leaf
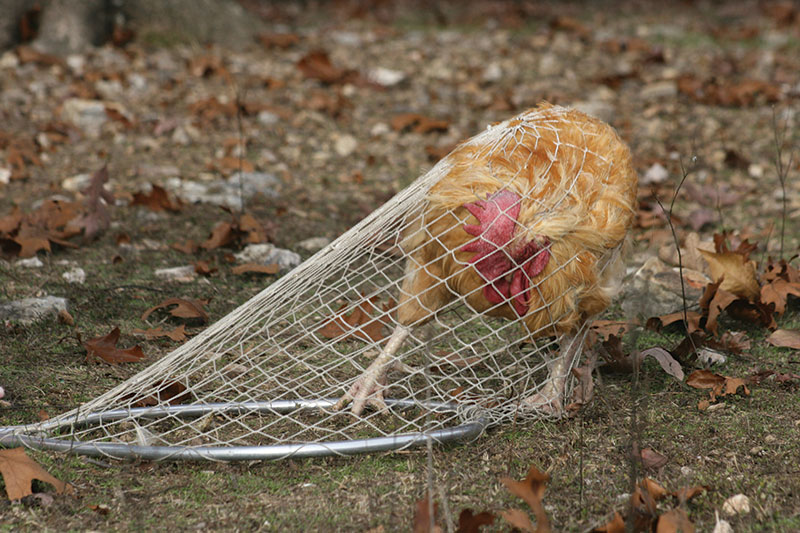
19, 471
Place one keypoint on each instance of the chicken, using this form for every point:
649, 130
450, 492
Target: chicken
527, 223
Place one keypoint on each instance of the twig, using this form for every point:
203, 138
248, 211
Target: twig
780, 169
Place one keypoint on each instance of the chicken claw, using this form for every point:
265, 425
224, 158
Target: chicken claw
368, 389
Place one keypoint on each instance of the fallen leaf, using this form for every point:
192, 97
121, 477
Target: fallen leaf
531, 490
188, 247
674, 521
704, 379
317, 65
19, 471
184, 308
423, 521
157, 200
722, 300
254, 268
665, 359
615, 525
419, 123
777, 293
652, 459
96, 219
685, 494
105, 348
173, 393
785, 338
604, 328
736, 274
204, 268
660, 322
471, 523
583, 392
178, 334
278, 40
518, 519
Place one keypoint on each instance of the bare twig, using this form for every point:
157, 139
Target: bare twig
781, 169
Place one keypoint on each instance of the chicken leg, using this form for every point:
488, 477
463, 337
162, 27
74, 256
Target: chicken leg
368, 388
550, 399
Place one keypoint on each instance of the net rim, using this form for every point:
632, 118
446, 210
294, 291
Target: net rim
15, 436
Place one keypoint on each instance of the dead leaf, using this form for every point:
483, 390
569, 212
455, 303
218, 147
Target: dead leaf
278, 40
228, 164
358, 323
423, 522
471, 523
178, 334
659, 322
722, 300
173, 393
704, 379
518, 519
785, 338
188, 247
184, 308
204, 268
419, 123
665, 359
97, 218
615, 525
777, 292
105, 348
157, 200
685, 494
531, 490
674, 521
652, 459
604, 328
737, 275
254, 268
19, 471
317, 65
583, 392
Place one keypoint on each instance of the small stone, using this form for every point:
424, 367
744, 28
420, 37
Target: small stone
493, 72
9, 60
381, 128
739, 504
88, 115
660, 90
268, 118
686, 471
2, 392
710, 357
755, 170
757, 450
314, 244
770, 439
76, 275
31, 262
76, 63
30, 310
549, 65
656, 290
267, 254
655, 174
179, 136
345, 145
596, 108
181, 274
386, 77
76, 183
5, 175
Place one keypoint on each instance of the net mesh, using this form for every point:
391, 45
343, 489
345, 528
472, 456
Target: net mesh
486, 269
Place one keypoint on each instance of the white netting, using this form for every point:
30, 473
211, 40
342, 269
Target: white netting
483, 271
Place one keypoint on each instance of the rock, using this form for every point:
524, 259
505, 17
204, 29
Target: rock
31, 262
267, 254
655, 290
314, 244
709, 357
88, 115
655, 174
381, 128
690, 253
226, 192
344, 145
2, 392
268, 118
660, 90
9, 60
386, 77
5, 175
549, 65
181, 274
596, 108
32, 310
76, 183
738, 504
75, 275
493, 72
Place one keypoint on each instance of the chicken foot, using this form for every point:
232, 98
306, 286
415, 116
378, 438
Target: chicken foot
368, 389
549, 400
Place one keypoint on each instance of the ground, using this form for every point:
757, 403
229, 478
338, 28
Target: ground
698, 84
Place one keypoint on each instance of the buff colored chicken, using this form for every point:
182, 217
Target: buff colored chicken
527, 224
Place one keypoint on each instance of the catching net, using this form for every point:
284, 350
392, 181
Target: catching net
491, 313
